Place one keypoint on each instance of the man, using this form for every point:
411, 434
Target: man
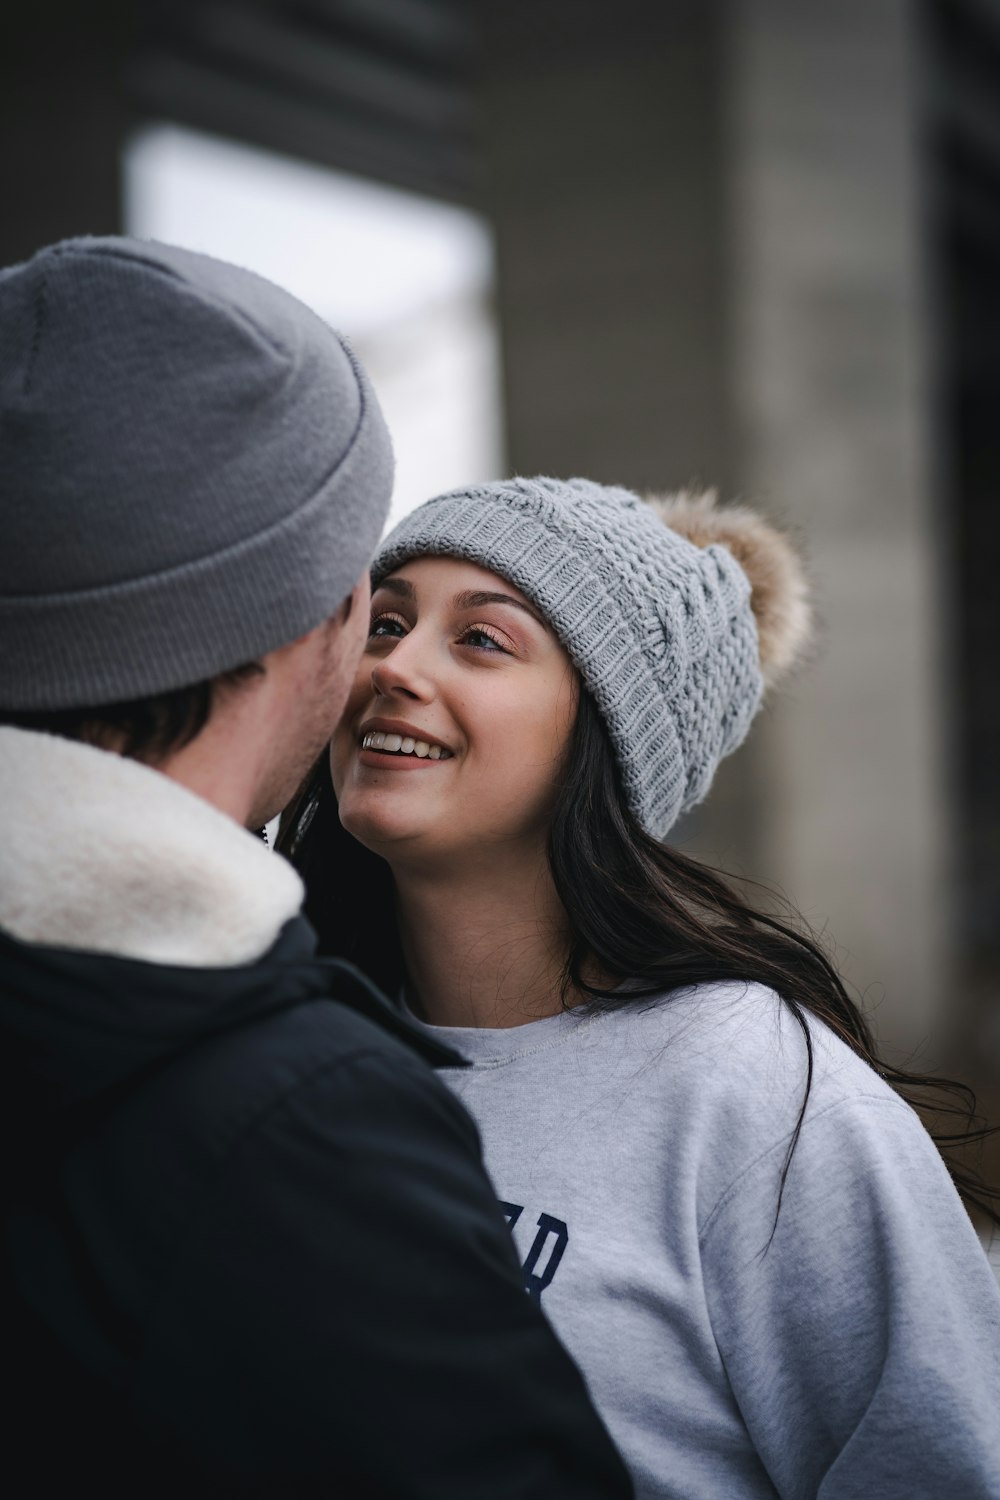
249, 1246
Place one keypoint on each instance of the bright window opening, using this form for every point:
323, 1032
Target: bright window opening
407, 279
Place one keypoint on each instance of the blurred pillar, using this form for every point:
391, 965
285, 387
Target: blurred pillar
607, 188
831, 381
62, 121
707, 234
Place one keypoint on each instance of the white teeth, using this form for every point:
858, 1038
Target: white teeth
398, 744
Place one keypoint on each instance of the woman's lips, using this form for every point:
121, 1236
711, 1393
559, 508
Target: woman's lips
381, 760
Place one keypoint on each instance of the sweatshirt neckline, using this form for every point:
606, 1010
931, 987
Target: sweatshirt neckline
495, 1046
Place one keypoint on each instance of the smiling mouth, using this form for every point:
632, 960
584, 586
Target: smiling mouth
403, 744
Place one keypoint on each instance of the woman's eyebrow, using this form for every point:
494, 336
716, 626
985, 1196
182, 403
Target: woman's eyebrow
476, 598
400, 586
468, 599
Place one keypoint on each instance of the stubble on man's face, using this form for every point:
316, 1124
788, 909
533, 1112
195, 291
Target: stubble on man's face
322, 667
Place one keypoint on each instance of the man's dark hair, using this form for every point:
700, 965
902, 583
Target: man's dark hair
146, 729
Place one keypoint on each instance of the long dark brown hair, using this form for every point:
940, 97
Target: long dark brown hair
638, 910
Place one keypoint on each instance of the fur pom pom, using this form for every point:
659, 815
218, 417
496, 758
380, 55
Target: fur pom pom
779, 589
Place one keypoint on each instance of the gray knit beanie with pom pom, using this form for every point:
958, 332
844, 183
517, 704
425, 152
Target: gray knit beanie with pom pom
650, 602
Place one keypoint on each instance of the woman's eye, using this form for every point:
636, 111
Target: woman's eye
482, 640
385, 625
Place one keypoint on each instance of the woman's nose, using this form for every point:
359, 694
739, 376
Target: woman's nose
403, 672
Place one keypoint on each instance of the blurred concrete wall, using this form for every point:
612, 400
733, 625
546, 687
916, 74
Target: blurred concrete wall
709, 238
62, 121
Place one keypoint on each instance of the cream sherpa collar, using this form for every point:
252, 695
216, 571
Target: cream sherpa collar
105, 855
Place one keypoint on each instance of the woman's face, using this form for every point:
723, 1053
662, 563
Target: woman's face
456, 728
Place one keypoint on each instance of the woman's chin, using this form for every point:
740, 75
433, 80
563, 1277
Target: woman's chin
380, 829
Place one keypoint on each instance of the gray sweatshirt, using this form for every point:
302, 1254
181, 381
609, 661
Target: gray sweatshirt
854, 1355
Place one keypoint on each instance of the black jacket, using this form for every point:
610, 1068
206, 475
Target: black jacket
250, 1248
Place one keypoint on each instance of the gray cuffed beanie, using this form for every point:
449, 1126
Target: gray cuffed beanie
661, 630
195, 472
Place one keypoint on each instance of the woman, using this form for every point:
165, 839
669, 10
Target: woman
736, 1223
